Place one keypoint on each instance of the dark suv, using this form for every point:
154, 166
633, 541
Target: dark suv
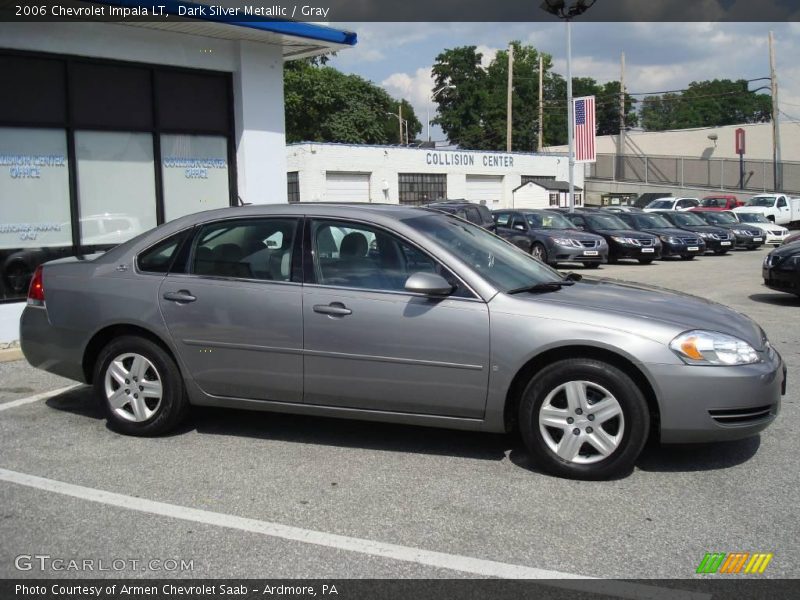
471, 211
550, 237
623, 241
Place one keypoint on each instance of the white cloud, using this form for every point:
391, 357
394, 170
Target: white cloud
416, 88
487, 54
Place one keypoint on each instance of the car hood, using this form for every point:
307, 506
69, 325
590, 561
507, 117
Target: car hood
575, 234
786, 250
631, 233
683, 311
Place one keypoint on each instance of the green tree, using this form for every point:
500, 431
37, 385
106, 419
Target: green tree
706, 104
409, 116
323, 104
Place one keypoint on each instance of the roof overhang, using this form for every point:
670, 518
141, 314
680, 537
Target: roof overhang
297, 39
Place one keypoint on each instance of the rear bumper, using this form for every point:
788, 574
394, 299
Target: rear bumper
708, 404
49, 348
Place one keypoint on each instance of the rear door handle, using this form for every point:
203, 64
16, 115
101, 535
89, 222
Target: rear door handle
181, 296
335, 309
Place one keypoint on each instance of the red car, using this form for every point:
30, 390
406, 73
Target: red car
720, 202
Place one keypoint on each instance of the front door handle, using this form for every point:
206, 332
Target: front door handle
334, 309
181, 296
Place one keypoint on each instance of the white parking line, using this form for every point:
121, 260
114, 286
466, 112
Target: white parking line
442, 560
37, 397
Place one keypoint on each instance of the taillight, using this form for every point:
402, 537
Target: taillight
36, 289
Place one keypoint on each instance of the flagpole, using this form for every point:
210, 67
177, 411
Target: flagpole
570, 120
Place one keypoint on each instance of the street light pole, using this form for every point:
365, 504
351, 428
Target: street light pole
433, 99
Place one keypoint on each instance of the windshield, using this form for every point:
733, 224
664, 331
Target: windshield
768, 201
752, 217
720, 218
661, 204
500, 263
652, 222
548, 221
685, 219
605, 222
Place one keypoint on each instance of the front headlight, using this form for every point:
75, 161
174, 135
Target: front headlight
567, 242
623, 240
739, 231
704, 234
668, 239
713, 348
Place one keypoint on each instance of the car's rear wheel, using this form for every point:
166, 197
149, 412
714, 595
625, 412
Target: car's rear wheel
584, 419
539, 251
139, 386
591, 265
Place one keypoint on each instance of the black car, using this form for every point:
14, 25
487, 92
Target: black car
550, 237
781, 269
745, 236
674, 242
623, 242
719, 240
471, 211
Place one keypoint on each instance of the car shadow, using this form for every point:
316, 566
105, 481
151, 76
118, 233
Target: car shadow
344, 433
776, 299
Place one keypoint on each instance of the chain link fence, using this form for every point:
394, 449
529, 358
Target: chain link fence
713, 173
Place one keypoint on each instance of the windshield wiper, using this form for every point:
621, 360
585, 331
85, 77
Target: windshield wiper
540, 288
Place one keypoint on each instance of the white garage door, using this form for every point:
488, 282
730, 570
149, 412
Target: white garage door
485, 187
346, 187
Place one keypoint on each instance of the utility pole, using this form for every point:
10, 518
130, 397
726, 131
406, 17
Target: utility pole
509, 99
570, 120
776, 131
400, 120
621, 136
541, 103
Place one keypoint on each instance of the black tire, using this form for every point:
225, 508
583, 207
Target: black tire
591, 265
630, 398
536, 247
645, 261
612, 260
173, 406
17, 276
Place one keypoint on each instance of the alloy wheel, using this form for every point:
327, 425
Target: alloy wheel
581, 422
133, 387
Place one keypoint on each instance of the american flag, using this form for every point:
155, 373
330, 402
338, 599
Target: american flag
585, 129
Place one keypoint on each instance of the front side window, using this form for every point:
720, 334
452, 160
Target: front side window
246, 249
782, 203
354, 255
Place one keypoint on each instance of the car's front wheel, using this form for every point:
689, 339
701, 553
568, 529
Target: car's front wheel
139, 386
539, 251
584, 419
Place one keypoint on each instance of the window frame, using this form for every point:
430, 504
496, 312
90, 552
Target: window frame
309, 270
295, 267
426, 182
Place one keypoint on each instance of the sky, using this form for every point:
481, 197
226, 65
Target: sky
658, 56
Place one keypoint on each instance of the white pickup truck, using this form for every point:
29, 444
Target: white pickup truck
781, 209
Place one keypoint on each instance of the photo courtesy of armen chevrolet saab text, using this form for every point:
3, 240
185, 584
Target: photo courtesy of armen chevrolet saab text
397, 314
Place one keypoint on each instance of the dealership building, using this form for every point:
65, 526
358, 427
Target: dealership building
108, 129
320, 172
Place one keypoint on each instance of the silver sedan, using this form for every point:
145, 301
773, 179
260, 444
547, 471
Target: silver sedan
396, 314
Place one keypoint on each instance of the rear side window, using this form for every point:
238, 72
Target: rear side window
502, 219
473, 216
246, 249
159, 258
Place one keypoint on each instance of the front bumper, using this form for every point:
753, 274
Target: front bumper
708, 404
681, 249
713, 245
746, 241
782, 280
567, 254
775, 239
636, 252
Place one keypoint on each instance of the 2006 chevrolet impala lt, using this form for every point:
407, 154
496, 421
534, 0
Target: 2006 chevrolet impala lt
399, 314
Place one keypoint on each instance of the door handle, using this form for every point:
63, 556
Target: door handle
334, 309
181, 296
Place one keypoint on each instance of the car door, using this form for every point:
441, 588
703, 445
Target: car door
515, 230
369, 344
784, 211
236, 315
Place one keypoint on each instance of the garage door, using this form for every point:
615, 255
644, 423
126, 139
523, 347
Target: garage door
346, 187
485, 187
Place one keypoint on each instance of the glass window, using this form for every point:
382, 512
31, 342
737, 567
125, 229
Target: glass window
293, 190
545, 220
421, 188
116, 185
782, 203
502, 219
195, 174
553, 199
247, 249
518, 223
35, 223
158, 258
358, 256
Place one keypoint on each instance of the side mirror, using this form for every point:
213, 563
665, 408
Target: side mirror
519, 227
430, 284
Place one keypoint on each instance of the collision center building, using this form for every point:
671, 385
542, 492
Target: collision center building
108, 129
322, 172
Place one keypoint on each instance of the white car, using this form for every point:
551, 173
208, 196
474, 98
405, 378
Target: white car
778, 208
773, 234
671, 203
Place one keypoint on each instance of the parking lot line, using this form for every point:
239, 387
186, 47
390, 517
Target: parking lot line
37, 397
466, 564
